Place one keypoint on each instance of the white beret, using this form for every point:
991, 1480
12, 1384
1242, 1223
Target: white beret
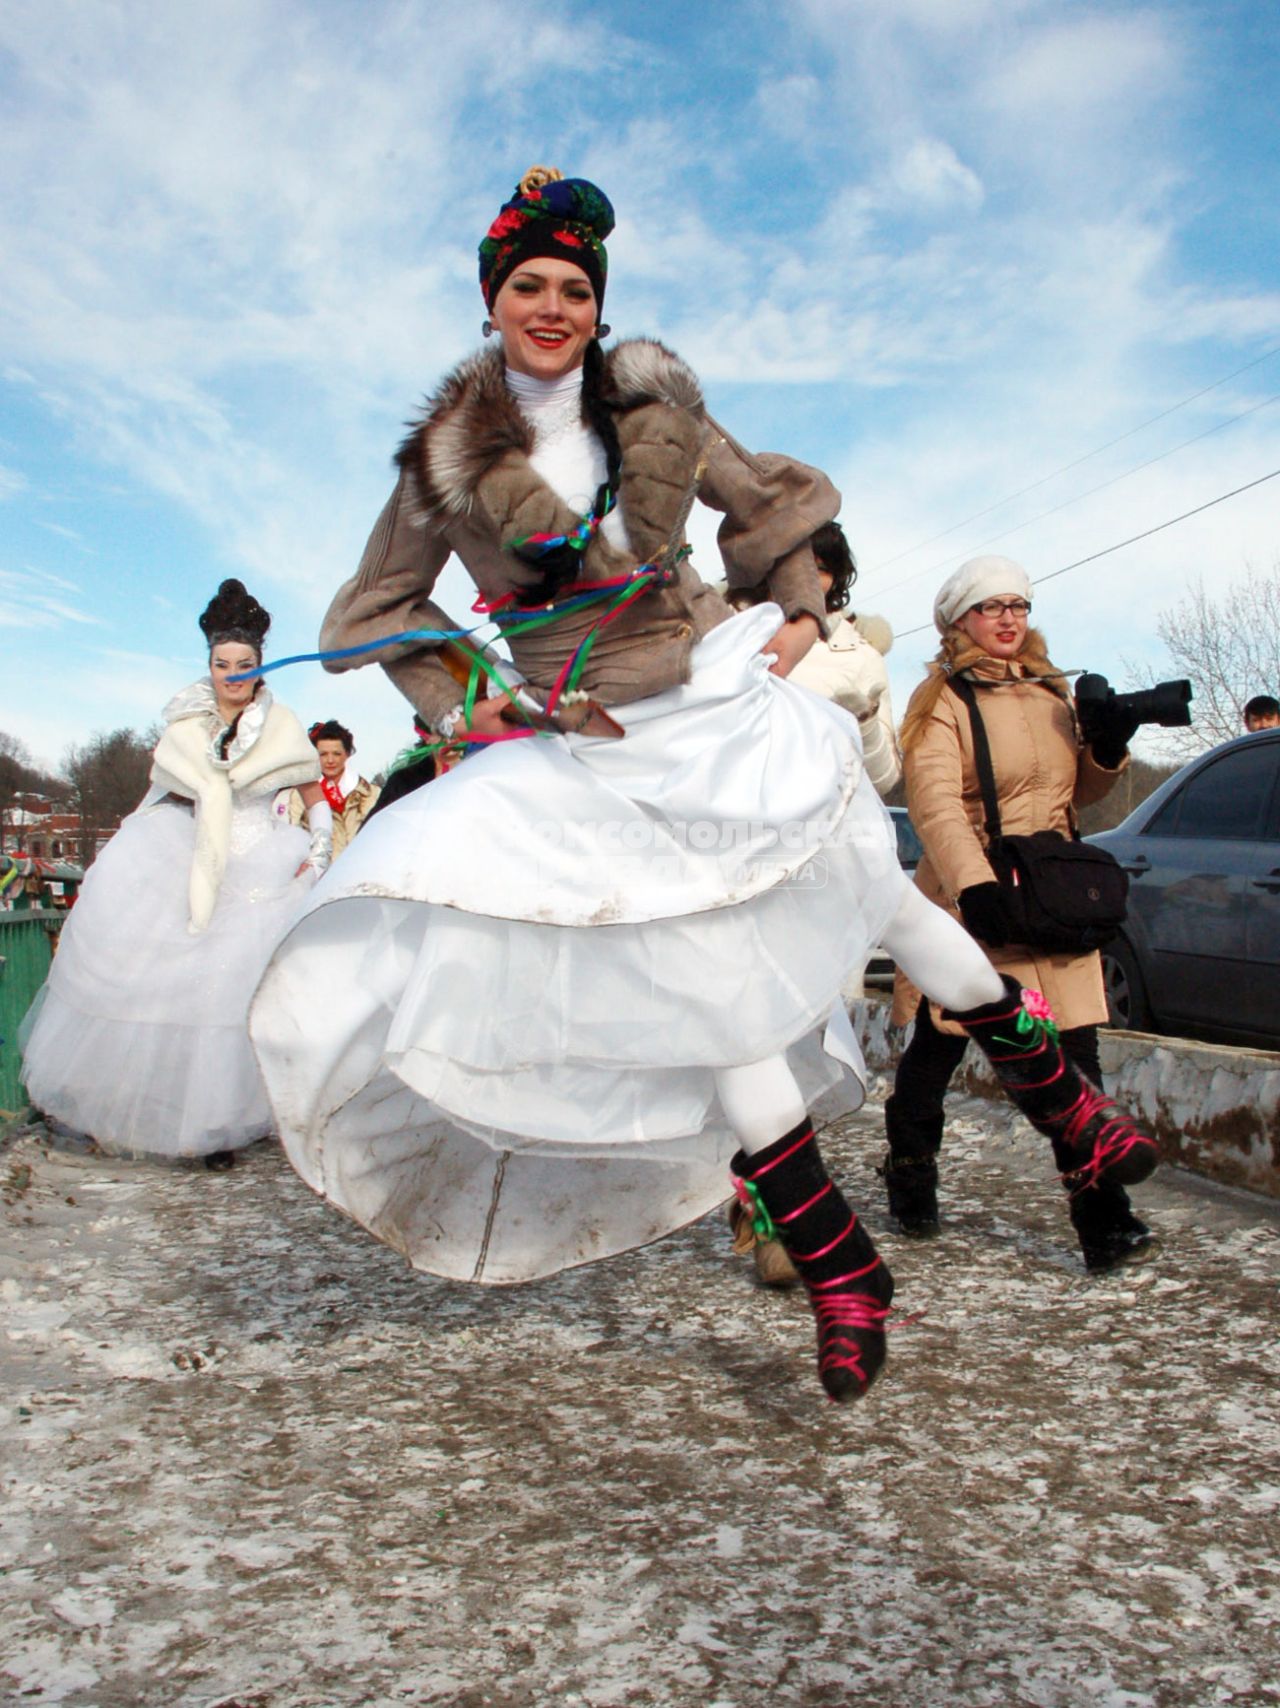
981, 578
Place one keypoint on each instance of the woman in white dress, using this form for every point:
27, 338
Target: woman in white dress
540, 1011
140, 1037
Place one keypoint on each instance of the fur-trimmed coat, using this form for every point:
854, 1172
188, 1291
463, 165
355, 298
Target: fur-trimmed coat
269, 751
467, 486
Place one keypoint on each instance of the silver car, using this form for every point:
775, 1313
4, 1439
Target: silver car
1200, 949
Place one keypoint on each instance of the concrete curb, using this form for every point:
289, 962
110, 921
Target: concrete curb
1215, 1108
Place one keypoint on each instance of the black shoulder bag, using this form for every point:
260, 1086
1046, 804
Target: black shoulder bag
1061, 894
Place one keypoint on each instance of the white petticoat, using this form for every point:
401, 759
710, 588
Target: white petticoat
492, 1037
141, 1038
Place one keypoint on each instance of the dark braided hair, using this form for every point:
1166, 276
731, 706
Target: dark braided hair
561, 567
832, 552
597, 414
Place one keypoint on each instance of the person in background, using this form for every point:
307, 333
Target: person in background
847, 665
350, 796
1262, 712
426, 760
1043, 770
140, 1037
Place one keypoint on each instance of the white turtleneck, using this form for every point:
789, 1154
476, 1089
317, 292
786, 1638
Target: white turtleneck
566, 453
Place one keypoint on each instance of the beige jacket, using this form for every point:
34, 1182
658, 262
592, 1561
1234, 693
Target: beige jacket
467, 486
358, 803
1042, 772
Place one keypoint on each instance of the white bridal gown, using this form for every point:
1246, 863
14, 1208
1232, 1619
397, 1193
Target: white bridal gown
492, 1036
140, 1039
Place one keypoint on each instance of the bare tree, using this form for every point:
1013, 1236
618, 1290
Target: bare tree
108, 776
1227, 641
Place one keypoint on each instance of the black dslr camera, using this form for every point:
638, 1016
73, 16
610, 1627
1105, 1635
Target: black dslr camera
1168, 703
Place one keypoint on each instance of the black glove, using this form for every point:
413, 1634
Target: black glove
1108, 727
983, 911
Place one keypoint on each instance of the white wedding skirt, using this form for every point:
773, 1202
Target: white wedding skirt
140, 1038
492, 1037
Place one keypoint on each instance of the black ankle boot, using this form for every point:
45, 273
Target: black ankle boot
789, 1191
910, 1170
1098, 1140
911, 1185
1109, 1232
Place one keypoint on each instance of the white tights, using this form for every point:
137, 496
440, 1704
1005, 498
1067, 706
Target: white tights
938, 955
762, 1100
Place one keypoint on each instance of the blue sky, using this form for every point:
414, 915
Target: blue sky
942, 248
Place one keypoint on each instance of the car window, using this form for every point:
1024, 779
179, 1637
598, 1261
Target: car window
1228, 798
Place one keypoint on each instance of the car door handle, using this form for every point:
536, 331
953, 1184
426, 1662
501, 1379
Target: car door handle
1271, 882
1137, 866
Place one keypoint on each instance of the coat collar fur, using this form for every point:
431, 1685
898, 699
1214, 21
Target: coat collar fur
469, 456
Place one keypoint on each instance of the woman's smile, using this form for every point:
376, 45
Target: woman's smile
546, 315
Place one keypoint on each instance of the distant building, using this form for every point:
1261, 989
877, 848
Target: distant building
39, 829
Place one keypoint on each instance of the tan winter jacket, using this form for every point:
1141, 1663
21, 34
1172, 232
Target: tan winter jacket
467, 486
359, 803
1042, 772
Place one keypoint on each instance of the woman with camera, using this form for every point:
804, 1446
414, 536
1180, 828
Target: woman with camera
992, 661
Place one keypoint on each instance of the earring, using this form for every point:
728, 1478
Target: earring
486, 329
603, 330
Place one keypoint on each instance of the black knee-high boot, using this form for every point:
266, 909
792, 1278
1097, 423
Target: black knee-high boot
1094, 1139
790, 1193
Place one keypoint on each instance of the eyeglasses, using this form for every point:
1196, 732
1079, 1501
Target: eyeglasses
1001, 607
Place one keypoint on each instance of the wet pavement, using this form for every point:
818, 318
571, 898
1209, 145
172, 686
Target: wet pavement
251, 1460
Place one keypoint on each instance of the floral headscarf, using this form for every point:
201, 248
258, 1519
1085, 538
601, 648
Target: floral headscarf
549, 215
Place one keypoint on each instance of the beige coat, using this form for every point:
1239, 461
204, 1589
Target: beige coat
1042, 772
359, 803
467, 486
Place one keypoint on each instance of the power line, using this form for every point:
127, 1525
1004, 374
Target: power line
1067, 467
1218, 426
1132, 540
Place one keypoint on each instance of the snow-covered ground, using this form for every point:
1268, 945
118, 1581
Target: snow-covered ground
251, 1459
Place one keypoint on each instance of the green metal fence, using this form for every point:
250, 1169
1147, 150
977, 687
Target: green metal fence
26, 948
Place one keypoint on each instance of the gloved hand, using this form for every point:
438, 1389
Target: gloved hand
984, 914
862, 699
1108, 728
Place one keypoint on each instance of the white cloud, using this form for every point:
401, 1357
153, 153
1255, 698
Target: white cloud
791, 106
239, 244
930, 173
27, 602
1090, 66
